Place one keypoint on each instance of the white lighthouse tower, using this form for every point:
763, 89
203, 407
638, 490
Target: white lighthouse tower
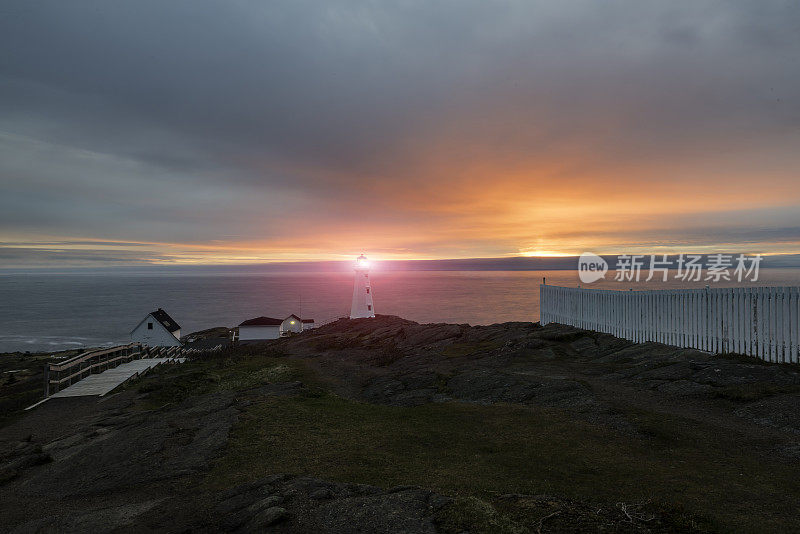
362, 293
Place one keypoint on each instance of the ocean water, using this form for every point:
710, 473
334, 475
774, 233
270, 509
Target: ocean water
49, 312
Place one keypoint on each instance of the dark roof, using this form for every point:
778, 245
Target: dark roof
166, 321
308, 320
262, 321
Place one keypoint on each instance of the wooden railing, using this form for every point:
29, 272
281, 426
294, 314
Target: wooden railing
66, 373
162, 352
63, 374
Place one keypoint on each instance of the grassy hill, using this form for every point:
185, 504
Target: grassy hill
388, 425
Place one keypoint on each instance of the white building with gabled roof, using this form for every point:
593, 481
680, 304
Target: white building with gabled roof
157, 329
291, 325
260, 328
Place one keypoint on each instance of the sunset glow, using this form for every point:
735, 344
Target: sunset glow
507, 143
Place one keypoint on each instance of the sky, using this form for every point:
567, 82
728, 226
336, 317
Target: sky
235, 131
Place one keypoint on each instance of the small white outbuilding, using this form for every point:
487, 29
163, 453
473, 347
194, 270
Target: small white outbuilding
294, 325
157, 329
260, 328
291, 325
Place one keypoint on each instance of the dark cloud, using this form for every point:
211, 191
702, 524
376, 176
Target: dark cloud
14, 257
188, 121
28, 244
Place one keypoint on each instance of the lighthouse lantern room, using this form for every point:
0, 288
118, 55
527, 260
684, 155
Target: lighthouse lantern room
362, 293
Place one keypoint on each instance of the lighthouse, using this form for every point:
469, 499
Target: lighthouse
362, 293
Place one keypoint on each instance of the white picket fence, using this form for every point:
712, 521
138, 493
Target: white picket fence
757, 321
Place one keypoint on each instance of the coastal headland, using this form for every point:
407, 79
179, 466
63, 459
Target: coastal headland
386, 425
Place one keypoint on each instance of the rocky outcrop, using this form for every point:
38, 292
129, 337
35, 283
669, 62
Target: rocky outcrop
305, 504
399, 362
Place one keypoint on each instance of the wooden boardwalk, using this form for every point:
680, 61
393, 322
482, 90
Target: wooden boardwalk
102, 383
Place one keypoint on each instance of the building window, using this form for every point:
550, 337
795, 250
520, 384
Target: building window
369, 307
149, 326
367, 291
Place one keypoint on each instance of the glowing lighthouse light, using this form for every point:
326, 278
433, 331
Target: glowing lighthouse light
362, 292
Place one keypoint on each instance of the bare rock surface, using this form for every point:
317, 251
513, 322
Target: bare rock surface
85, 471
389, 360
305, 504
126, 449
289, 504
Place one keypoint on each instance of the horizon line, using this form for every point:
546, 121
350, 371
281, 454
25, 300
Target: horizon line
511, 263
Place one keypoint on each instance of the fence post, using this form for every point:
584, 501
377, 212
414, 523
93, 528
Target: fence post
787, 326
794, 321
763, 317
704, 319
778, 332
744, 327
750, 321
745, 319
773, 350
